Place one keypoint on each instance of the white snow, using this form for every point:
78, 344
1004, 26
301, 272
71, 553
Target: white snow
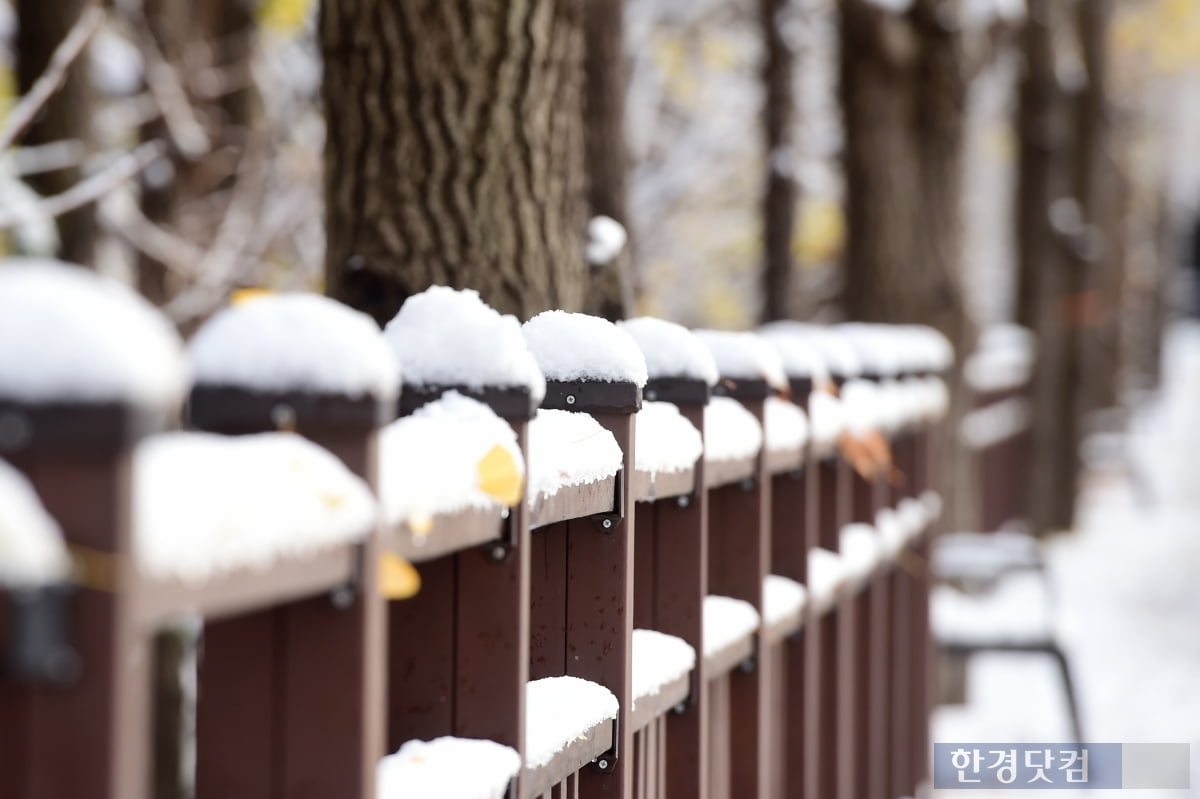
606, 239
977, 14
937, 400
781, 598
568, 449
294, 342
447, 768
893, 534
671, 350
932, 501
429, 461
894, 6
666, 441
839, 355
864, 406
726, 620
1014, 609
730, 431
914, 517
992, 424
827, 573
1003, 358
744, 356
983, 556
31, 544
827, 420
786, 424
861, 549
446, 337
206, 504
658, 660
560, 709
68, 334
576, 346
934, 351
800, 356
879, 347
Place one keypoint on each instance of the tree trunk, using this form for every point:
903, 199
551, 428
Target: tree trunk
42, 25
454, 152
1045, 275
779, 198
1098, 193
606, 80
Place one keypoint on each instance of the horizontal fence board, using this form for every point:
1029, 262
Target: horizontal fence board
449, 533
574, 502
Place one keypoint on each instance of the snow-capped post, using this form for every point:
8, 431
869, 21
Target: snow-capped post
269, 691
740, 548
671, 563
472, 614
592, 367
87, 368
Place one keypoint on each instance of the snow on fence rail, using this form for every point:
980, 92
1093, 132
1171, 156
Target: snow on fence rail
622, 560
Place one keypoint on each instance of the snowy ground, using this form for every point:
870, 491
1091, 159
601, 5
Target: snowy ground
1127, 592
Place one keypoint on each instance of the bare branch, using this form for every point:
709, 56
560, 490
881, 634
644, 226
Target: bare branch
56, 71
87, 190
119, 213
39, 158
170, 95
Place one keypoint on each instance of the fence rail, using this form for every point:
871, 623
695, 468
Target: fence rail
808, 636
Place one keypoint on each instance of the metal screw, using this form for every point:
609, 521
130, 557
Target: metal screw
499, 552
651, 395
283, 416
747, 665
603, 764
680, 709
570, 399
15, 431
607, 524
342, 598
748, 484
683, 501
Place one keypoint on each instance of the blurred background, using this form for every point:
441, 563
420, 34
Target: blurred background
1022, 174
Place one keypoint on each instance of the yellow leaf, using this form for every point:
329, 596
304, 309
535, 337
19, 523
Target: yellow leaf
821, 233
285, 16
243, 296
499, 477
398, 579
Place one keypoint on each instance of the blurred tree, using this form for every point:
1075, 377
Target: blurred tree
41, 25
1048, 220
610, 286
779, 198
454, 151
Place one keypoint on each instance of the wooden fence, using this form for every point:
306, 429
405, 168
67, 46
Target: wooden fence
308, 675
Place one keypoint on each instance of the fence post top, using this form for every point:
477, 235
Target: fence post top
237, 410
592, 396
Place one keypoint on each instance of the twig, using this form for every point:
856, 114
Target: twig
169, 93
49, 157
120, 214
86, 190
56, 71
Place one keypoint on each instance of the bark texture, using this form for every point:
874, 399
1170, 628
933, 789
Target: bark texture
779, 197
41, 26
610, 286
454, 152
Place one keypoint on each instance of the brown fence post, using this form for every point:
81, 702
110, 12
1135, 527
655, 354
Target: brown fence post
678, 534
739, 561
459, 650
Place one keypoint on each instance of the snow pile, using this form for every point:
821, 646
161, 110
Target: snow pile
70, 335
447, 768
878, 347
1002, 360
827, 572
861, 550
932, 501
937, 398
726, 620
827, 418
1014, 610
429, 462
983, 556
730, 431
671, 350
606, 239
206, 504
892, 6
786, 424
666, 441
559, 710
893, 533
31, 545
929, 348
864, 407
568, 449
914, 517
446, 337
995, 423
976, 14
840, 357
294, 342
658, 660
800, 356
744, 356
781, 598
575, 346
